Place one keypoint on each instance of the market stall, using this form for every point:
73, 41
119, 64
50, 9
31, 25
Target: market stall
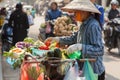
40, 60
45, 61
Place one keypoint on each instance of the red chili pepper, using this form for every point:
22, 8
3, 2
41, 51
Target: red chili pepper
43, 48
57, 45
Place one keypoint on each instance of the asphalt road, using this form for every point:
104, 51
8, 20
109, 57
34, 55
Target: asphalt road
111, 60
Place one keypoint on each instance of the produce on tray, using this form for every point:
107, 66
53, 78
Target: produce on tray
64, 27
29, 40
17, 52
38, 43
23, 45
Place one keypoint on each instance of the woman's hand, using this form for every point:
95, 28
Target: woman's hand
74, 47
52, 40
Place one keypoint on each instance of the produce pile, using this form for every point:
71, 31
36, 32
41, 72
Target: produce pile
15, 57
64, 27
28, 47
16, 53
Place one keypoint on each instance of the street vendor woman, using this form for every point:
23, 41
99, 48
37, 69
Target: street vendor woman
89, 37
53, 13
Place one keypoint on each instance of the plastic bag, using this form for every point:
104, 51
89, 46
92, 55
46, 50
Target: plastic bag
30, 20
73, 73
10, 61
24, 75
88, 72
30, 72
75, 55
48, 28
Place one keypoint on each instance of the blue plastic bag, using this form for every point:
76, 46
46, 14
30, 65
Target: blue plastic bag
10, 61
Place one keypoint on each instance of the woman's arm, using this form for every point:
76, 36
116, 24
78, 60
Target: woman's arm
69, 40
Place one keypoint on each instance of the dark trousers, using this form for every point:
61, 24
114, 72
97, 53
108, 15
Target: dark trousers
102, 76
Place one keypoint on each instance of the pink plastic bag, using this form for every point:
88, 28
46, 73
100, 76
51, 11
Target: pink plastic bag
48, 28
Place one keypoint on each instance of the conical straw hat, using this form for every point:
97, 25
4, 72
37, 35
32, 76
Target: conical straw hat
83, 5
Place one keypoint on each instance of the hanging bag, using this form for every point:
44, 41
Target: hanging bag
31, 71
88, 72
73, 73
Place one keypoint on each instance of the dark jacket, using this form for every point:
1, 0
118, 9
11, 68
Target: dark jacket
113, 14
19, 21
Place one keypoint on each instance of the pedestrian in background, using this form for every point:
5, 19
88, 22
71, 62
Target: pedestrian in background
19, 21
52, 14
101, 9
33, 12
3, 14
113, 12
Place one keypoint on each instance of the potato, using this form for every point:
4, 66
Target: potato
61, 28
65, 18
61, 25
70, 27
63, 22
56, 27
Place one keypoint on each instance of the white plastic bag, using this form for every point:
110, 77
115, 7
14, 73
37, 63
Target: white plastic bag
81, 78
73, 73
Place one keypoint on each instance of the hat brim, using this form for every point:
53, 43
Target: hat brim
81, 5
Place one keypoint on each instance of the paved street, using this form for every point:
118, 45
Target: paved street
111, 60
112, 64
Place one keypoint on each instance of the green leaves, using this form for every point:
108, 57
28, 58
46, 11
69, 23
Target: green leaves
29, 40
18, 61
8, 54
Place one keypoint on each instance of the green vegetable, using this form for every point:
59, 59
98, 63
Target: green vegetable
8, 54
29, 40
18, 62
33, 72
43, 25
50, 54
57, 53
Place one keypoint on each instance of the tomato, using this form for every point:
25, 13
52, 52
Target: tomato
47, 43
43, 48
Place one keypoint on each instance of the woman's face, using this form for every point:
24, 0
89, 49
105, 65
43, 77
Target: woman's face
83, 15
93, 1
53, 6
